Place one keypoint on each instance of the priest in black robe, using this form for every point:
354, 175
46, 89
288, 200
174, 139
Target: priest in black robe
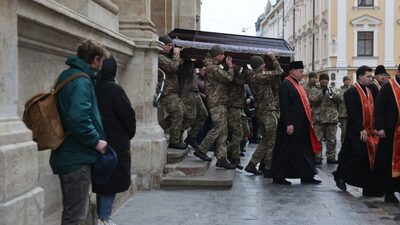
387, 122
295, 139
357, 153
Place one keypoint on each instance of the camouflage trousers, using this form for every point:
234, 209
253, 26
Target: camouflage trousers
343, 125
175, 108
218, 133
196, 113
327, 130
268, 124
237, 129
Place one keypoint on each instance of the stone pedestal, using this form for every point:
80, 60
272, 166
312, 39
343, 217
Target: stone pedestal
139, 78
21, 200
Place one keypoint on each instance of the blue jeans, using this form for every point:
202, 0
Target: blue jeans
104, 205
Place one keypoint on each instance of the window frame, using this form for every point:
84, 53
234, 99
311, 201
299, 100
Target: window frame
365, 39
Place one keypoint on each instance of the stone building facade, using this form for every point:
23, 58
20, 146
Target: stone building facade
36, 36
337, 36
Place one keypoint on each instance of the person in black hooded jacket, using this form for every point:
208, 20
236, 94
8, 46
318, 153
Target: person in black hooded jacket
119, 123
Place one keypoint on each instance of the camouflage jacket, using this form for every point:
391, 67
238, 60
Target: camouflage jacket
170, 67
264, 87
187, 78
342, 106
236, 88
217, 82
325, 105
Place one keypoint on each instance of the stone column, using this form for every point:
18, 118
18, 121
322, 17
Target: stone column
139, 80
21, 200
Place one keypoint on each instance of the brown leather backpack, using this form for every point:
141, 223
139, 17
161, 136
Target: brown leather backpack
42, 117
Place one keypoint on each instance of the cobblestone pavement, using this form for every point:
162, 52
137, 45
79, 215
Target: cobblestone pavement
256, 201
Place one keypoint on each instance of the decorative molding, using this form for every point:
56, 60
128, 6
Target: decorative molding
365, 19
107, 4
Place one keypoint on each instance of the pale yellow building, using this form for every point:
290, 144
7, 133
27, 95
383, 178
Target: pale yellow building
337, 36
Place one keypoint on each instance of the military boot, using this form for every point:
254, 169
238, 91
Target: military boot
223, 163
251, 168
178, 146
237, 163
192, 142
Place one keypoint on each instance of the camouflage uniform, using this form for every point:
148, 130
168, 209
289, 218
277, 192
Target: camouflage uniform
307, 87
217, 81
170, 100
236, 113
343, 112
326, 118
264, 86
196, 112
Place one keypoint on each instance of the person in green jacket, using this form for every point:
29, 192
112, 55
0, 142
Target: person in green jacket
84, 142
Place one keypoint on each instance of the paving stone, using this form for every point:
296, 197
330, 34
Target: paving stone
254, 200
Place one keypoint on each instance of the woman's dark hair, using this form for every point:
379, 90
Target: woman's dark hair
89, 49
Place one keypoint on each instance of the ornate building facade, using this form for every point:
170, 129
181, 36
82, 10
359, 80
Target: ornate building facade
337, 36
35, 39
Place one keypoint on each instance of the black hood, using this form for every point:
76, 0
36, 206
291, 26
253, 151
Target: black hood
109, 69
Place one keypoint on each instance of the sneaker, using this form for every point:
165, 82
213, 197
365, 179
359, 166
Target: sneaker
105, 222
223, 163
251, 168
202, 156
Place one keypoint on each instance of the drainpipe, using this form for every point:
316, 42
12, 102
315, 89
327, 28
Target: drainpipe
313, 38
294, 22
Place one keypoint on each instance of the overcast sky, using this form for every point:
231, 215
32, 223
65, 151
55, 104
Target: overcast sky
231, 16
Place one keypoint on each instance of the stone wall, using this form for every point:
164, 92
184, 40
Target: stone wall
36, 37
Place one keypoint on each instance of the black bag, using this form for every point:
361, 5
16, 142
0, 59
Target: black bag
104, 166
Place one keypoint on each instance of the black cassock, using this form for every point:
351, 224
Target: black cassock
353, 165
386, 116
293, 156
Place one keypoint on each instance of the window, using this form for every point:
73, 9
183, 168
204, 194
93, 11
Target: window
365, 2
365, 43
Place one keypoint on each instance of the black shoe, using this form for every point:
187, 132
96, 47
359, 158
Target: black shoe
223, 163
339, 182
237, 163
192, 142
282, 181
267, 173
391, 198
202, 156
251, 168
368, 193
332, 161
310, 181
178, 146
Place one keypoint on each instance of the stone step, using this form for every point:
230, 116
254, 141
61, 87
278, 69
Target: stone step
190, 166
176, 155
214, 177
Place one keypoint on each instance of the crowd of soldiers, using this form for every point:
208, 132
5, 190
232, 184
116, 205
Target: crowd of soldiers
313, 114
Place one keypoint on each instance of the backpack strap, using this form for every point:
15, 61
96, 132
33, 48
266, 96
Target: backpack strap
60, 86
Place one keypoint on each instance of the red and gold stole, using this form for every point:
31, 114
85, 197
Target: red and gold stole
377, 84
367, 105
396, 139
315, 144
